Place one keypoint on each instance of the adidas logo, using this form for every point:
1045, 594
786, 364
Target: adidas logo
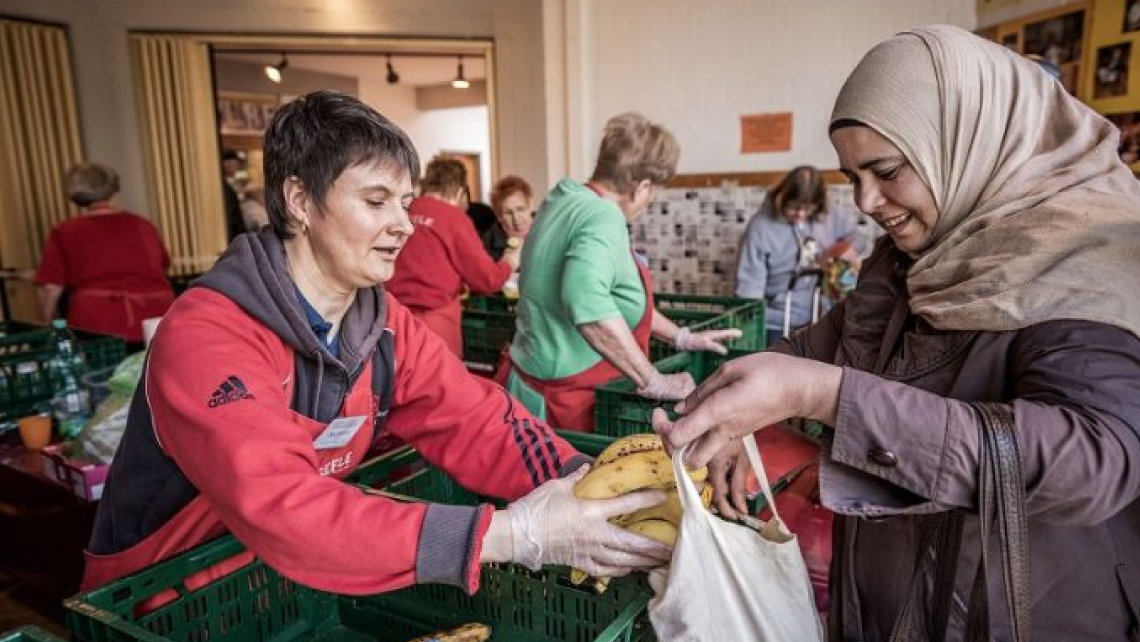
232, 389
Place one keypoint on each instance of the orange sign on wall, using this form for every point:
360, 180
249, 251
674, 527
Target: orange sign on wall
766, 133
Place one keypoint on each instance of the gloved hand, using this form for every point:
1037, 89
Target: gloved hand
706, 341
552, 526
667, 386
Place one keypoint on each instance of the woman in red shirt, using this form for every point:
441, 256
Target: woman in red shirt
445, 255
112, 263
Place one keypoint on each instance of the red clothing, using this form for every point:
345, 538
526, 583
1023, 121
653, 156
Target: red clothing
258, 474
443, 255
447, 322
113, 266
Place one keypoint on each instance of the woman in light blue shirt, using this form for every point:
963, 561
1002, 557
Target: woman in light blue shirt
782, 248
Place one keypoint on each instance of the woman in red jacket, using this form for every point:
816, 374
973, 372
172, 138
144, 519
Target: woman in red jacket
445, 255
112, 263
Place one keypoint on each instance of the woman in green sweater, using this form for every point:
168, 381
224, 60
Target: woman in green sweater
585, 313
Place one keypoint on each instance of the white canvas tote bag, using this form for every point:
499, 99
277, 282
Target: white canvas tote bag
729, 582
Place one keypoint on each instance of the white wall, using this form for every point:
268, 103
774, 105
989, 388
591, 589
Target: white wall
562, 67
459, 129
697, 67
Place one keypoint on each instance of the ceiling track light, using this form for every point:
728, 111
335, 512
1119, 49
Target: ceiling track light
273, 72
392, 76
460, 81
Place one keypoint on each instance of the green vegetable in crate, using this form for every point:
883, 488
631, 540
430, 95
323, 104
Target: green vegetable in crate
101, 435
473, 632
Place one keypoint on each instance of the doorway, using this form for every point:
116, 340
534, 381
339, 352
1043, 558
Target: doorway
437, 91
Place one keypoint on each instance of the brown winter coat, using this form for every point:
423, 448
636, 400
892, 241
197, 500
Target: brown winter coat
1074, 388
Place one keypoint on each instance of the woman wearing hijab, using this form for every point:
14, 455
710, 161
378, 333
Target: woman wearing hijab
1001, 289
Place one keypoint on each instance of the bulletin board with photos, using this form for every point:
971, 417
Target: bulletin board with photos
1093, 44
691, 234
245, 114
1059, 35
242, 120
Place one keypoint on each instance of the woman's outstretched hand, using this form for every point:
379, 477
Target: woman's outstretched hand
745, 395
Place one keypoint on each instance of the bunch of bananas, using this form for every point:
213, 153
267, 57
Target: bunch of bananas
633, 463
473, 632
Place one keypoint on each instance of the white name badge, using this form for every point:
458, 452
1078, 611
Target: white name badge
338, 433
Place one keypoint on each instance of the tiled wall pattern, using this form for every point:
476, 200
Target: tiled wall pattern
691, 237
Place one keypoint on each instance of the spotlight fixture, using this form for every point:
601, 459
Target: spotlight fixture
460, 82
273, 72
392, 77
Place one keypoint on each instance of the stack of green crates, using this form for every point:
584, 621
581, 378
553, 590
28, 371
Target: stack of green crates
25, 353
620, 411
255, 603
488, 326
699, 313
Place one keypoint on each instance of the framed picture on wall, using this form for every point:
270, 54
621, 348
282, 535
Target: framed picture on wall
245, 114
1059, 40
1111, 78
1131, 16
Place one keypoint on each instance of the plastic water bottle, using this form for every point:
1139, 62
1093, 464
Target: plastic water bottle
69, 401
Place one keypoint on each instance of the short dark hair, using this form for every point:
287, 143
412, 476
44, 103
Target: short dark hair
319, 135
801, 185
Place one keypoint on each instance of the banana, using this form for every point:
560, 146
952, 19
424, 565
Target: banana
668, 510
473, 632
601, 584
657, 529
647, 469
628, 445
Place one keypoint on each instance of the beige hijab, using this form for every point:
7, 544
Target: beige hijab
1038, 218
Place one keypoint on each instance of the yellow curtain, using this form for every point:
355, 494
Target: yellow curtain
179, 131
39, 127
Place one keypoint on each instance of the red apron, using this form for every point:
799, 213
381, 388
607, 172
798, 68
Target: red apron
570, 400
447, 322
116, 312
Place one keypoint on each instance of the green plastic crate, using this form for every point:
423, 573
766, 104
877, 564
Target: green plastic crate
255, 603
619, 410
24, 378
712, 313
29, 634
490, 303
17, 337
485, 334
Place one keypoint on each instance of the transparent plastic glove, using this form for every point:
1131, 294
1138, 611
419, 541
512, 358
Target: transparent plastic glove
512, 256
667, 386
706, 341
552, 526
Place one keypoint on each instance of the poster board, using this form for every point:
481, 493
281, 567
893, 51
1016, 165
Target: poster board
760, 133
